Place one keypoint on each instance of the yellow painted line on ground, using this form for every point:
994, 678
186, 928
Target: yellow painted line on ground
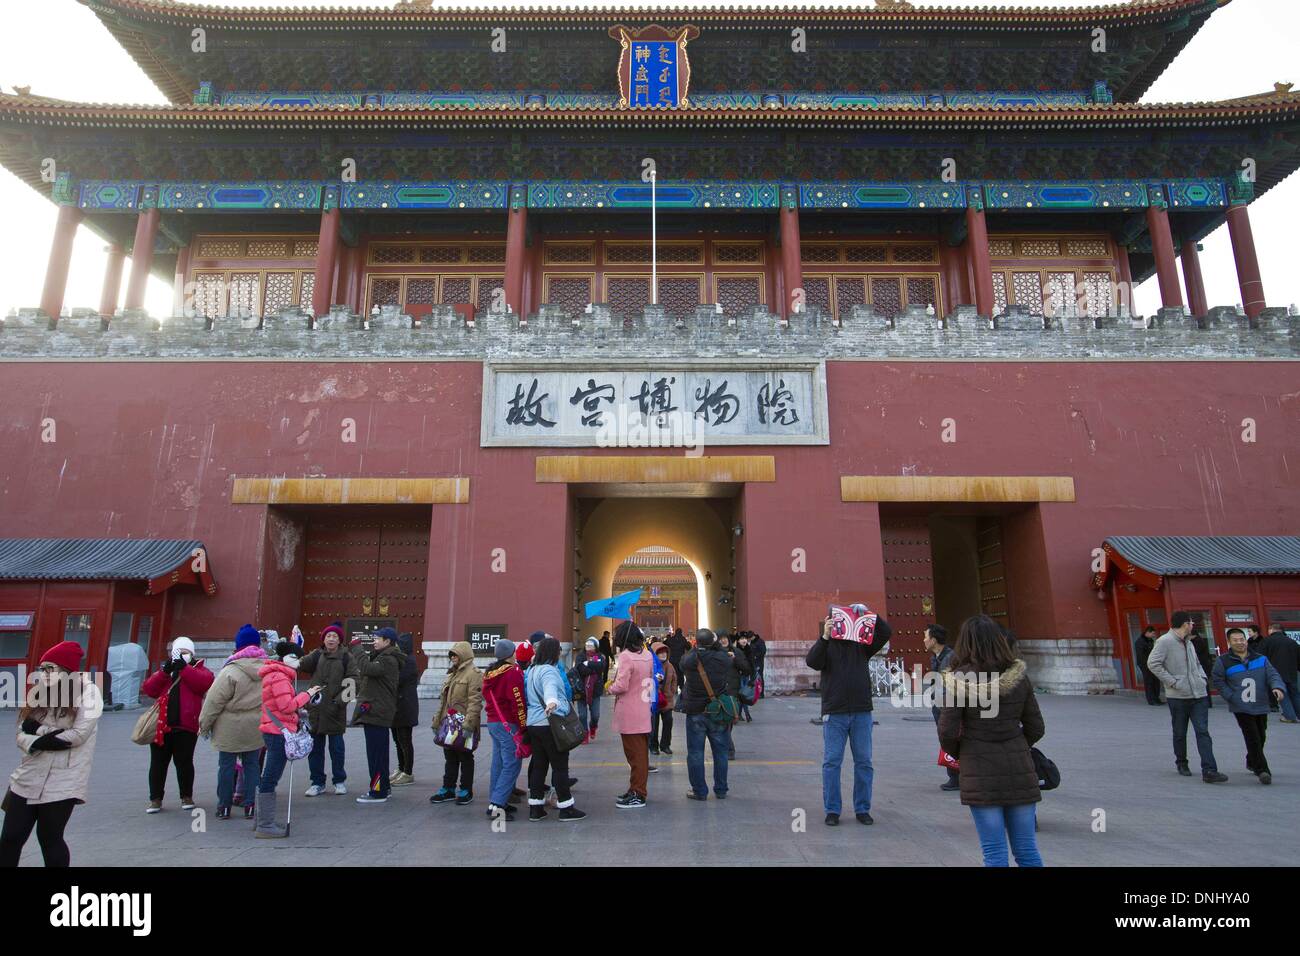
682, 763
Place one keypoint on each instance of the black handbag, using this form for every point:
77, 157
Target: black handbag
1049, 778
568, 731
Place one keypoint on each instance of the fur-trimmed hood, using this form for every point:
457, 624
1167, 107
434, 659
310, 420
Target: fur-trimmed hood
1008, 679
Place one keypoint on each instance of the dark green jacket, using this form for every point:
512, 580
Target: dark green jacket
377, 695
330, 716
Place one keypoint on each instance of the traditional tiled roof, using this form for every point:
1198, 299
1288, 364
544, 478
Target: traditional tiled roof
140, 26
424, 13
44, 111
160, 561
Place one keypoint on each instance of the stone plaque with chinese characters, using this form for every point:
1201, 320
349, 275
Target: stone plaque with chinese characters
638, 405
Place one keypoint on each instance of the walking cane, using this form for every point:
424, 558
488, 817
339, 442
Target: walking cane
288, 820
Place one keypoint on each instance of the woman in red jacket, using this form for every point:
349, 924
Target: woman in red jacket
280, 706
179, 687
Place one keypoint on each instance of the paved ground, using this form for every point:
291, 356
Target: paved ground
1113, 752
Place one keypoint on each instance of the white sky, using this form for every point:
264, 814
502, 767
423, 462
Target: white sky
60, 49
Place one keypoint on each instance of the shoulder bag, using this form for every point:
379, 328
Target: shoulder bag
722, 708
146, 727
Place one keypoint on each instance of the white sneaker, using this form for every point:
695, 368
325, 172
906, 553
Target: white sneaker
340, 789
315, 790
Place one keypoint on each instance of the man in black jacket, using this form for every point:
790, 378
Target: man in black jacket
722, 671
1142, 650
846, 710
935, 641
758, 650
1284, 654
678, 645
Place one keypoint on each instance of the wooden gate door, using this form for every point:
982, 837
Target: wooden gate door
909, 585
993, 570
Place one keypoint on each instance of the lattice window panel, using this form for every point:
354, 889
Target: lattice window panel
487, 286
681, 253
679, 295
887, 296
748, 253
627, 295
1040, 248
922, 291
570, 253
383, 255
493, 254
873, 253
308, 287
623, 253
220, 249
1087, 248
305, 248
571, 294
1060, 294
813, 252
849, 291
245, 293
456, 289
385, 290
279, 292
441, 255
738, 294
999, 293
1098, 294
421, 290
1028, 290
1001, 249
914, 253
209, 294
268, 249
817, 292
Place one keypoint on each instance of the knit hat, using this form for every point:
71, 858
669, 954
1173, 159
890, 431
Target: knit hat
592, 642
66, 654
524, 652
287, 649
247, 637
182, 644
504, 649
331, 629
387, 633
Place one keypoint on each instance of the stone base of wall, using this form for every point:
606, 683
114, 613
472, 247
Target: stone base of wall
785, 670
1080, 665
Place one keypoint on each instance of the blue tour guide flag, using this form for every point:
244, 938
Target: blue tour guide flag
617, 607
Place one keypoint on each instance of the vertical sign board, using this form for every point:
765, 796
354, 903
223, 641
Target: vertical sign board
653, 70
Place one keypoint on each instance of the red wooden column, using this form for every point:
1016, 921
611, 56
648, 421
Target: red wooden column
516, 231
112, 280
1243, 250
791, 258
146, 235
1162, 245
56, 273
1195, 282
977, 246
327, 251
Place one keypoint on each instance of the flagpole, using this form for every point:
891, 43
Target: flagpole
654, 251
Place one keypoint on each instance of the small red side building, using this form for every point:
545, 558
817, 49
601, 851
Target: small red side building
1223, 582
97, 592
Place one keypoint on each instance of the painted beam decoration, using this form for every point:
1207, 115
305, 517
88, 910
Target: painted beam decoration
868, 195
637, 405
653, 69
479, 194
1058, 196
668, 195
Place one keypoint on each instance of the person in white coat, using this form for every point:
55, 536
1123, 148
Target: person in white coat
56, 735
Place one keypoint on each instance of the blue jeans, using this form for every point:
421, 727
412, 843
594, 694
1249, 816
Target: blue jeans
226, 777
589, 710
1291, 701
505, 765
995, 824
1198, 712
854, 729
698, 727
273, 769
316, 759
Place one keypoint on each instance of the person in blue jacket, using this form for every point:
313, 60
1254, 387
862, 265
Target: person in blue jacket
1245, 679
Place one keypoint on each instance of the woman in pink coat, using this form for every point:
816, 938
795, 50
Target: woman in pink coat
280, 706
631, 690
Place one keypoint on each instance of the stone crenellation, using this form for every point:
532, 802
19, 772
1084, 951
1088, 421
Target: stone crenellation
551, 333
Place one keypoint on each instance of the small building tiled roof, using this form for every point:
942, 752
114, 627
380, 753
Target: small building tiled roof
1182, 555
160, 561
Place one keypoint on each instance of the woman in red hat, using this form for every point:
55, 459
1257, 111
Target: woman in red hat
56, 735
